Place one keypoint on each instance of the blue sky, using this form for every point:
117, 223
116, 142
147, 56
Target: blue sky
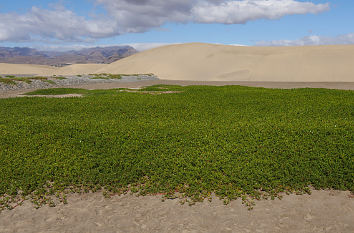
68, 24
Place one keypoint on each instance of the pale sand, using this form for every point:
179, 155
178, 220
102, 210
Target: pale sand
78, 69
210, 62
323, 211
26, 69
53, 96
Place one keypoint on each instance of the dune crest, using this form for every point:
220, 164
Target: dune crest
210, 62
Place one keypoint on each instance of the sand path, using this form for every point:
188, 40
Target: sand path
323, 211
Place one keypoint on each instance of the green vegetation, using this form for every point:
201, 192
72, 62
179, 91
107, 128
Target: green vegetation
137, 74
7, 81
11, 80
106, 76
114, 76
236, 142
162, 88
59, 91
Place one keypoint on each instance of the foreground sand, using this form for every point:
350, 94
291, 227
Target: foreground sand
210, 62
323, 211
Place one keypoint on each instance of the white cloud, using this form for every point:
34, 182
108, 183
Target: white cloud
235, 12
129, 16
311, 40
59, 23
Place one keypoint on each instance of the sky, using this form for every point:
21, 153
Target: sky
65, 24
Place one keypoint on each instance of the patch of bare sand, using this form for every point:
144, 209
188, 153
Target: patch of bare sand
53, 96
323, 211
42, 70
152, 92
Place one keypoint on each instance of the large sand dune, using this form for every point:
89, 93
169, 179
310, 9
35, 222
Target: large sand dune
210, 62
6, 68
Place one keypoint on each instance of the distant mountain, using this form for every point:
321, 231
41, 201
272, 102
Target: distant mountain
101, 55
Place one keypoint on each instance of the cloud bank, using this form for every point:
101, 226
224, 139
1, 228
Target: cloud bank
133, 16
311, 40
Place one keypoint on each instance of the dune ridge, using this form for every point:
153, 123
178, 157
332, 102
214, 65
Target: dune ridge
211, 62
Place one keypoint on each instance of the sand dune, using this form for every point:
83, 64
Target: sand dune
26, 69
210, 62
79, 69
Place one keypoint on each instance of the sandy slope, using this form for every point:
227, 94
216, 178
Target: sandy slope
79, 69
26, 69
212, 62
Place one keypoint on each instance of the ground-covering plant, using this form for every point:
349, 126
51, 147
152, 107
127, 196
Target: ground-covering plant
236, 142
105, 76
11, 79
60, 91
7, 81
114, 76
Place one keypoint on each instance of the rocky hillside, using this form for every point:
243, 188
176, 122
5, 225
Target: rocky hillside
101, 55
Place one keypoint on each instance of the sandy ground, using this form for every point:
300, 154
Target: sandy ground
210, 62
43, 70
323, 211
53, 96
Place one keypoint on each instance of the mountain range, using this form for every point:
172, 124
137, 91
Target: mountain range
98, 55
